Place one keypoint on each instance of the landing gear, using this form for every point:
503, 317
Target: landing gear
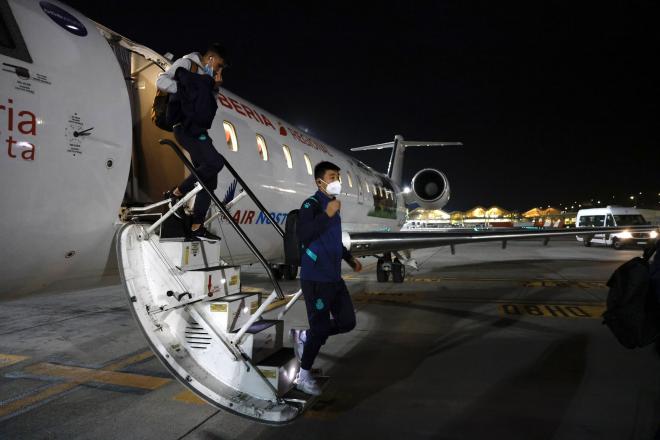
385, 266
286, 271
277, 273
398, 271
290, 271
382, 276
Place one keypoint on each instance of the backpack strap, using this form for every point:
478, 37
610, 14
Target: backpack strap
307, 250
649, 251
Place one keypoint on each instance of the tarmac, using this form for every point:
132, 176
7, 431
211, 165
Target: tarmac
488, 343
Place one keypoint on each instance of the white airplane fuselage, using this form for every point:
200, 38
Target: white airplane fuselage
63, 190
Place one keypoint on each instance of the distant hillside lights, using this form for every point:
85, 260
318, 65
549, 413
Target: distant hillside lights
25, 122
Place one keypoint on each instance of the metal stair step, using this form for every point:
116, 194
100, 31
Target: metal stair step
230, 312
263, 339
192, 255
280, 369
296, 396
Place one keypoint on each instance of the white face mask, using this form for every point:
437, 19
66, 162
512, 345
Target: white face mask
332, 188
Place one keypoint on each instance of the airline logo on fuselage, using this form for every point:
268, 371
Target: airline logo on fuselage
247, 112
250, 217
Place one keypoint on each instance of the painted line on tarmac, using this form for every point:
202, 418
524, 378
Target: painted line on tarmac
583, 284
574, 311
82, 375
187, 396
11, 359
73, 377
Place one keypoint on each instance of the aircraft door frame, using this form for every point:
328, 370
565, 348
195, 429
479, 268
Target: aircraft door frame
360, 193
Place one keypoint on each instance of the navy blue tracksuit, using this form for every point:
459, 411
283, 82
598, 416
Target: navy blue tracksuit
320, 275
191, 111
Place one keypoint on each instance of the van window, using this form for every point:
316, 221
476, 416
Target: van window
11, 40
287, 156
629, 220
230, 136
609, 221
592, 221
262, 148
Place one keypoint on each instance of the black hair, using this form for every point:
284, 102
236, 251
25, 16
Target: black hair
219, 49
322, 167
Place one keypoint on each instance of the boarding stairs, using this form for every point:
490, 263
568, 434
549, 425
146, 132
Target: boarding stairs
209, 332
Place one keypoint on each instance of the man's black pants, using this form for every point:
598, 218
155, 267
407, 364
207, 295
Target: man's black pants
322, 300
207, 162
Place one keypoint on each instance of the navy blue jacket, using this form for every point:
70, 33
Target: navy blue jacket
194, 104
320, 238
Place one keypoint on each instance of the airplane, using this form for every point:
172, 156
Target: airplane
83, 172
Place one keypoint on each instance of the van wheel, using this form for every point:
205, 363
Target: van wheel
616, 244
587, 243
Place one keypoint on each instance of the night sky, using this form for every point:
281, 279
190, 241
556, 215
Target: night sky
555, 101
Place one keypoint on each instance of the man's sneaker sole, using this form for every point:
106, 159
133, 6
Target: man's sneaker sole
312, 390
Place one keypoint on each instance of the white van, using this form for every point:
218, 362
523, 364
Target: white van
614, 216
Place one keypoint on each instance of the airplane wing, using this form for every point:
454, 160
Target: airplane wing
370, 243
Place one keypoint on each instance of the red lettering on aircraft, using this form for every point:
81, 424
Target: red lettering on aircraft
27, 125
245, 110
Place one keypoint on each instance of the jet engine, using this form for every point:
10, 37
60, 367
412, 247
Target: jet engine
429, 188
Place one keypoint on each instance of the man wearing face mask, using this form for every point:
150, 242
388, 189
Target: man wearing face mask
329, 306
192, 82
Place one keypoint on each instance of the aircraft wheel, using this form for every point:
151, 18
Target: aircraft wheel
398, 271
290, 271
277, 273
381, 275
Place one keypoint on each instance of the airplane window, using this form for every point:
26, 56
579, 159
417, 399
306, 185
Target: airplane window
287, 156
308, 163
261, 147
11, 41
350, 181
230, 136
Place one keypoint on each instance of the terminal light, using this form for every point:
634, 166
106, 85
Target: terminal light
406, 190
632, 197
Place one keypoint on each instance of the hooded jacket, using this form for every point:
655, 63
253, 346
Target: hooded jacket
192, 100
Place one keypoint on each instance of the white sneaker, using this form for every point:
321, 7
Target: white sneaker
298, 343
308, 386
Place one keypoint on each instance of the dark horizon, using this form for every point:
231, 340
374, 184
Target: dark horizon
555, 102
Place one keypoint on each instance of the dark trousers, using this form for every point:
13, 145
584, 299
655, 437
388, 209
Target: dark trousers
207, 162
323, 300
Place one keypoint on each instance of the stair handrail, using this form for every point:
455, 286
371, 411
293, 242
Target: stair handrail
227, 215
254, 198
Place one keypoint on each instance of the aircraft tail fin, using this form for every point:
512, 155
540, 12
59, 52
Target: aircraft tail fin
398, 146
